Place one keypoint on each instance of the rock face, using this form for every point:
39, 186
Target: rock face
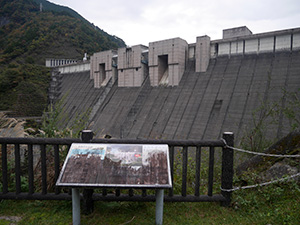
279, 170
289, 145
12, 219
274, 168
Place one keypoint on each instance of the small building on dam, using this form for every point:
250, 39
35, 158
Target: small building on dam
172, 89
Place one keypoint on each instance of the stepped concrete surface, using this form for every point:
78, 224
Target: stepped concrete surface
201, 106
176, 90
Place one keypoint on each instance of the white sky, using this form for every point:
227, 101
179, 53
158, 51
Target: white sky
141, 22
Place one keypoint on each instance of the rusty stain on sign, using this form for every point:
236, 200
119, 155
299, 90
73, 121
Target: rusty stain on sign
116, 165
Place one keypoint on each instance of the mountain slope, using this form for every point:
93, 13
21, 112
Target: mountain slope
28, 37
66, 10
26, 31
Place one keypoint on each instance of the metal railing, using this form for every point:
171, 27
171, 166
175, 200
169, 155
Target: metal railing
12, 172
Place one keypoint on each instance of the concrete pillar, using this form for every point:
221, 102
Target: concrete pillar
202, 53
176, 51
131, 70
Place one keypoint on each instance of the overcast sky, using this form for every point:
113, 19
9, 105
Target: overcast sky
141, 22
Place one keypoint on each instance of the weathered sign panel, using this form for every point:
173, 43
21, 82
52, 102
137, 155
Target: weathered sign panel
116, 165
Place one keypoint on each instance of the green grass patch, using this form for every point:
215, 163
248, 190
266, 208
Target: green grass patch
274, 204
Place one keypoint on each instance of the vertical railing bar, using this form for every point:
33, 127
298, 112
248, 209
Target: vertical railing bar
4, 169
104, 191
144, 192
56, 166
211, 170
30, 169
44, 168
171, 156
130, 192
17, 169
118, 191
184, 170
198, 167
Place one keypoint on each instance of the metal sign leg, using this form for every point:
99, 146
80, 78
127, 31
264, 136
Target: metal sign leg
76, 206
159, 210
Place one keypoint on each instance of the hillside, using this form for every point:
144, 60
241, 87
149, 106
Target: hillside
28, 37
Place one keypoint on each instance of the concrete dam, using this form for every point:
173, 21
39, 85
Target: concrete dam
176, 90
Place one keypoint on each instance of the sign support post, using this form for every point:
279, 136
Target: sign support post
76, 206
96, 165
159, 209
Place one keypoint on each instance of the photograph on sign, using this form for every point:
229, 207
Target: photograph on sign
116, 165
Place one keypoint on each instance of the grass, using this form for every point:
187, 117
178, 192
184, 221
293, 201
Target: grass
274, 204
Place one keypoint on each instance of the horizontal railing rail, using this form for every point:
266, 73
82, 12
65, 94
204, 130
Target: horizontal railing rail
186, 159
68, 141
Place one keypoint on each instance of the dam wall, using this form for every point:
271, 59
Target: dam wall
226, 85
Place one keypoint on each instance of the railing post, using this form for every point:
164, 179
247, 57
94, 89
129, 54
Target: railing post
227, 167
18, 168
87, 136
88, 203
44, 168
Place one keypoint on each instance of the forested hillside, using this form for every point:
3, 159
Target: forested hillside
27, 37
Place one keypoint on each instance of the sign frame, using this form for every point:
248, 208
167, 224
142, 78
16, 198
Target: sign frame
102, 151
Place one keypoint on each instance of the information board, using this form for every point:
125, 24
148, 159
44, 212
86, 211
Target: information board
116, 165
